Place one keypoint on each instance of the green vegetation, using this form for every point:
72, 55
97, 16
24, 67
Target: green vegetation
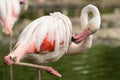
98, 63
33, 14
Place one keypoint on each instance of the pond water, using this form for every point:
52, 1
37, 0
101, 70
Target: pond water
98, 63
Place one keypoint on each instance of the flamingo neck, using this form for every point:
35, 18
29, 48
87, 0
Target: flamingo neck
94, 22
86, 11
84, 19
88, 26
22, 50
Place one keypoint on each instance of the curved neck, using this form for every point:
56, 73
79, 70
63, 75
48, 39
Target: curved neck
92, 25
84, 15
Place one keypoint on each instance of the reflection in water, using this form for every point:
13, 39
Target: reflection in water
99, 63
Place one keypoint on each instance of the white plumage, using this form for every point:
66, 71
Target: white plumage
57, 27
9, 12
54, 29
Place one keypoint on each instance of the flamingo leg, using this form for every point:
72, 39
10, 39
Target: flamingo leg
46, 68
10, 48
39, 75
11, 72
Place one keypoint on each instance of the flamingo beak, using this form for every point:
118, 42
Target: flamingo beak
81, 36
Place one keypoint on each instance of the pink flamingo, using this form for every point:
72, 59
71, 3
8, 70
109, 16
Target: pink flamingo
48, 38
9, 13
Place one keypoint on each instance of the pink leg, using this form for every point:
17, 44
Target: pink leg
46, 68
10, 48
52, 71
39, 75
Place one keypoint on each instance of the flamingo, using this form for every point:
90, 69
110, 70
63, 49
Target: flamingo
9, 12
48, 38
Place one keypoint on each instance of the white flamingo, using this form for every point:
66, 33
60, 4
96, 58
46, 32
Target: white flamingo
9, 12
48, 38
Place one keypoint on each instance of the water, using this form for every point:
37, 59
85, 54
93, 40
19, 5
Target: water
99, 63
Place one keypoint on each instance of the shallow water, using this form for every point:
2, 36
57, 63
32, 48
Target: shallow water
98, 63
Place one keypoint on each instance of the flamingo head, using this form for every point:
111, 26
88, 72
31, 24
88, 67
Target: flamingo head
8, 60
89, 27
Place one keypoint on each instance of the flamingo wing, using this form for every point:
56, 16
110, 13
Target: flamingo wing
48, 32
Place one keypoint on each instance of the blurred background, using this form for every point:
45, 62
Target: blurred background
100, 62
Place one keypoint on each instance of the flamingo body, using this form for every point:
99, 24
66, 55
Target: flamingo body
46, 35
